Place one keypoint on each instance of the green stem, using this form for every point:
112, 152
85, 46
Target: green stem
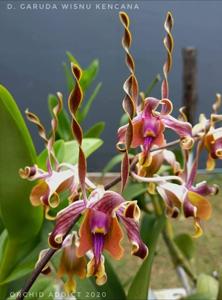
152, 85
176, 255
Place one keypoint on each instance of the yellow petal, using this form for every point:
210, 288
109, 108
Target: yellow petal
204, 209
210, 163
100, 273
198, 230
70, 286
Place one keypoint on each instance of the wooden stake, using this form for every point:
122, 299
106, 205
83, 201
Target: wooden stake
190, 82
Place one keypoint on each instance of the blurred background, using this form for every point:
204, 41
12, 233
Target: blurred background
34, 43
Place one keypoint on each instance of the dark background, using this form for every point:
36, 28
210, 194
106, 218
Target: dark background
33, 45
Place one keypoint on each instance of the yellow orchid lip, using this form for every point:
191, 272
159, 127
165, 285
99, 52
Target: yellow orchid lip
149, 133
99, 230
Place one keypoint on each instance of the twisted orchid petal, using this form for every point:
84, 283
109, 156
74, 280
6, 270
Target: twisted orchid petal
32, 173
129, 217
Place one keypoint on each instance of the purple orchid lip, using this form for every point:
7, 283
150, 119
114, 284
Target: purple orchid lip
98, 240
99, 222
147, 143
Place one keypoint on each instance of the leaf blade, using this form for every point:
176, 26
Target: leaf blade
95, 131
139, 287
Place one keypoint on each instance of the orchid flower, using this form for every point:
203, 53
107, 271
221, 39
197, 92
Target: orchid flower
52, 183
188, 197
149, 126
100, 228
69, 265
211, 135
157, 158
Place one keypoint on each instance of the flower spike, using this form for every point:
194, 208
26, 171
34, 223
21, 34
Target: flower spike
49, 142
130, 101
35, 120
54, 123
168, 44
74, 101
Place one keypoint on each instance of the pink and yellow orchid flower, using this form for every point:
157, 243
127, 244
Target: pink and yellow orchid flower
100, 229
213, 144
149, 126
210, 134
188, 197
52, 183
192, 200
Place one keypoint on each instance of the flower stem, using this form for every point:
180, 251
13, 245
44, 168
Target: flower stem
176, 256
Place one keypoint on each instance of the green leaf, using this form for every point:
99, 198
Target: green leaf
88, 289
72, 59
2, 227
85, 288
89, 74
16, 152
26, 265
152, 85
124, 119
89, 146
20, 271
68, 151
20, 218
64, 127
85, 110
115, 160
95, 131
113, 287
43, 288
207, 285
186, 245
69, 78
3, 241
133, 190
151, 228
197, 296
